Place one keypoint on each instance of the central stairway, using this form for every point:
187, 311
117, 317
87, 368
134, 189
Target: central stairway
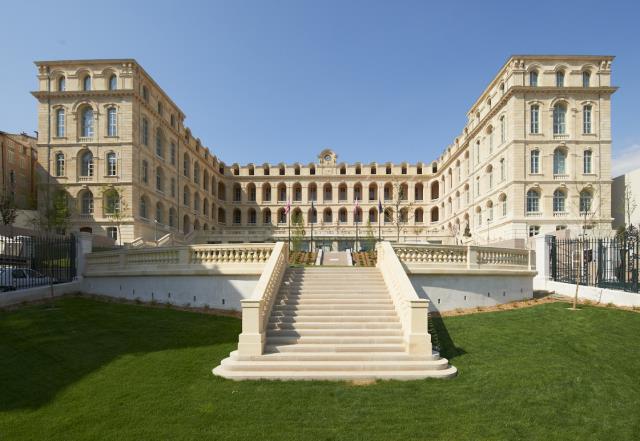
334, 323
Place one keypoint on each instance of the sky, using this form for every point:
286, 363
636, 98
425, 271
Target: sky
280, 80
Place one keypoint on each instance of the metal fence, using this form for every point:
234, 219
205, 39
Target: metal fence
605, 263
28, 261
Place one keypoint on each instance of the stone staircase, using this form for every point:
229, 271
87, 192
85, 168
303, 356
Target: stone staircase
334, 323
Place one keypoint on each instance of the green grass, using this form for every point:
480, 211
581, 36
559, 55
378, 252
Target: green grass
106, 371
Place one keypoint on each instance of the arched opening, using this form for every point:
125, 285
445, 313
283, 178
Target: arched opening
342, 192
435, 190
266, 216
327, 191
434, 214
266, 192
186, 224
373, 191
419, 191
418, 216
327, 216
373, 215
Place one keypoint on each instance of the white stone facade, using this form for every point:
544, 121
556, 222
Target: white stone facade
541, 128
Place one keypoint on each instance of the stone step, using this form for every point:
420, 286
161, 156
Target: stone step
335, 348
335, 375
303, 300
333, 307
339, 356
333, 332
352, 315
310, 318
334, 325
336, 340
333, 295
334, 365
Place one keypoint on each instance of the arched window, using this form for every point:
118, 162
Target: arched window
251, 192
503, 130
282, 216
186, 165
222, 216
535, 161
222, 191
145, 172
535, 119
503, 202
60, 123
86, 83
328, 192
111, 202
237, 216
113, 82
373, 215
145, 93
418, 215
434, 214
237, 193
59, 164
586, 162
388, 191
533, 78
159, 179
313, 192
196, 202
159, 213
559, 162
196, 172
373, 191
62, 84
327, 216
297, 192
266, 216
586, 119
533, 201
86, 164
112, 122
86, 202
342, 215
251, 216
435, 187
559, 199
586, 78
144, 132
585, 201
172, 217
559, 119
186, 196
560, 78
112, 164
503, 170
159, 143
143, 208
266, 192
342, 192
86, 122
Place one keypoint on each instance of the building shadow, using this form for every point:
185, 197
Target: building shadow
46, 348
441, 339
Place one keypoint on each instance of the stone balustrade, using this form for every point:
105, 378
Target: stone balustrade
453, 259
257, 309
412, 310
185, 260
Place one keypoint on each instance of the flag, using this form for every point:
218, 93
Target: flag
287, 208
355, 209
379, 206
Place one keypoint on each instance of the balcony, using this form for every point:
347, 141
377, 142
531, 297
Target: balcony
560, 214
560, 177
85, 139
561, 136
533, 214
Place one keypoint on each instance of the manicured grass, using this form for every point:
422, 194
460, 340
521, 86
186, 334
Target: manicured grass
106, 371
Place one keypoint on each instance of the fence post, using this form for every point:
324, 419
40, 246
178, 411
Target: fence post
84, 247
542, 261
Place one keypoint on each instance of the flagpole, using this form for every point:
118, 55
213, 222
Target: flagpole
312, 211
289, 228
380, 218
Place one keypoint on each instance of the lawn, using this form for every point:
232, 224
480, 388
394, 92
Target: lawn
106, 371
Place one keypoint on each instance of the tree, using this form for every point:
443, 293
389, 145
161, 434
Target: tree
369, 240
56, 217
115, 206
8, 210
630, 203
297, 232
401, 209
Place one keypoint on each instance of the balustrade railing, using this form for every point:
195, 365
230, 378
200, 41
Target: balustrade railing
257, 309
412, 310
248, 257
418, 258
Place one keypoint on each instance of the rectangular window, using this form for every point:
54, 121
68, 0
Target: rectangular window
534, 230
535, 162
112, 232
145, 172
173, 187
60, 124
586, 119
145, 132
112, 123
173, 153
587, 162
535, 119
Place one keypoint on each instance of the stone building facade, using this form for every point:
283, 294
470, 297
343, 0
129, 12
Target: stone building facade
18, 162
534, 157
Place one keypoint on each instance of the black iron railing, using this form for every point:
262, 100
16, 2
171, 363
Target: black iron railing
605, 263
27, 261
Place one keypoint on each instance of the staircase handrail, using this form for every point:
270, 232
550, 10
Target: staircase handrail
257, 309
412, 310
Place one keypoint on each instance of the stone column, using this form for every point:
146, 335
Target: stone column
83, 247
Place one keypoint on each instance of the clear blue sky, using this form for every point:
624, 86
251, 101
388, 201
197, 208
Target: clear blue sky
280, 80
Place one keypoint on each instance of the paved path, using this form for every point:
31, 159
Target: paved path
335, 258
